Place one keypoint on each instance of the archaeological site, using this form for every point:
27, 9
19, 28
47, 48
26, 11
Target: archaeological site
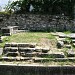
37, 37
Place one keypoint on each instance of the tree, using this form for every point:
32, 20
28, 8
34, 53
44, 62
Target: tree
8, 6
44, 6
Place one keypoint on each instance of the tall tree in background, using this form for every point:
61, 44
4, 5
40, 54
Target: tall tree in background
44, 6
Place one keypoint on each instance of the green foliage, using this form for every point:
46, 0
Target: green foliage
44, 6
67, 32
5, 13
8, 7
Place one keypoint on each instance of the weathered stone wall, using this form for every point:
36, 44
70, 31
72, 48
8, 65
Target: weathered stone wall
36, 70
39, 22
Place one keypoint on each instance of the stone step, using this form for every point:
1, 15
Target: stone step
23, 50
62, 35
45, 50
36, 60
74, 44
15, 58
6, 34
60, 44
53, 59
32, 54
51, 55
71, 53
11, 45
73, 41
67, 46
60, 39
72, 35
26, 49
10, 49
39, 54
31, 45
7, 45
12, 54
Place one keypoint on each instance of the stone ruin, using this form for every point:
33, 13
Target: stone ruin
29, 52
66, 41
36, 22
32, 52
9, 30
22, 51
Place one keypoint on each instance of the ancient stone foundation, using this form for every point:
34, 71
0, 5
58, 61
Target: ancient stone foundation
36, 22
36, 70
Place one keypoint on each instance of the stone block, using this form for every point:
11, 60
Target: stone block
12, 54
72, 36
68, 46
14, 49
62, 35
31, 45
45, 50
22, 54
33, 54
14, 45
60, 39
52, 55
36, 60
72, 41
60, 44
25, 58
30, 54
14, 58
54, 34
71, 53
6, 34
1, 51
8, 58
38, 49
7, 45
10, 49
73, 44
6, 49
26, 49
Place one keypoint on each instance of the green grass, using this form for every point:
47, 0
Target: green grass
26, 37
67, 32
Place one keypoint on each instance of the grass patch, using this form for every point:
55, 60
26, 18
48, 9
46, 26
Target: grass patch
27, 37
67, 32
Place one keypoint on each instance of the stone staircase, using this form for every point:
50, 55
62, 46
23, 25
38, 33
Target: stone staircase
31, 52
23, 51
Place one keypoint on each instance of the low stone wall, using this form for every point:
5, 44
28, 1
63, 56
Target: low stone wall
36, 22
36, 70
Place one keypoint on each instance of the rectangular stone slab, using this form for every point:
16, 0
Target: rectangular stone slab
31, 45
73, 41
26, 49
14, 59
67, 46
36, 60
51, 55
71, 54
